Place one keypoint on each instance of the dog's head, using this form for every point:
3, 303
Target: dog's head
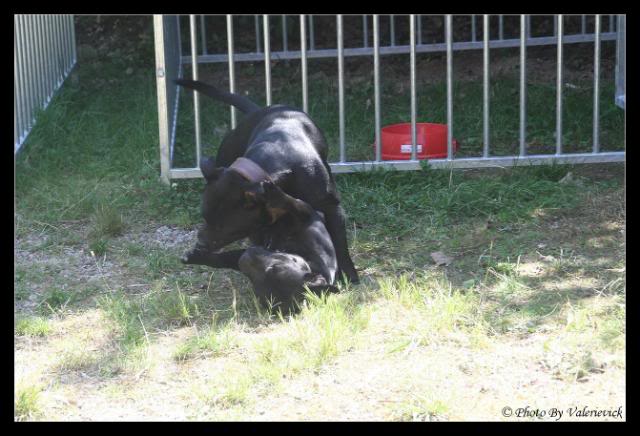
282, 275
232, 206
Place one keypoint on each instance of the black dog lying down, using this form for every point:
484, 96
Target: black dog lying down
292, 253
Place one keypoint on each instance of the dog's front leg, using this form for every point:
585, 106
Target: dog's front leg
227, 259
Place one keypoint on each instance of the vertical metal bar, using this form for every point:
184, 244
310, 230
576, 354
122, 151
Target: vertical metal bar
523, 86
611, 23
419, 29
16, 134
203, 35
163, 111
365, 31
596, 87
59, 50
485, 100
392, 29
257, 25
73, 41
196, 95
449, 87
303, 60
267, 59
63, 56
32, 44
500, 27
473, 28
17, 86
46, 56
39, 74
45, 59
584, 24
51, 54
412, 43
26, 39
25, 89
559, 88
341, 85
179, 42
284, 34
232, 75
376, 83
64, 43
312, 39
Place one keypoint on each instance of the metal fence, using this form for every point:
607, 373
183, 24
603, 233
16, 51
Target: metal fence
170, 59
44, 52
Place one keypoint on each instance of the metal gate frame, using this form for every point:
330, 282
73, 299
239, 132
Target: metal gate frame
44, 53
169, 61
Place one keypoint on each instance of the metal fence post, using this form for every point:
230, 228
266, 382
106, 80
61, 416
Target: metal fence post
267, 59
376, 84
232, 76
284, 34
303, 60
596, 87
523, 86
412, 69
449, 88
485, 100
340, 85
559, 87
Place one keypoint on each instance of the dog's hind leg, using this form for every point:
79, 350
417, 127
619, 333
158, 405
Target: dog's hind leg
335, 220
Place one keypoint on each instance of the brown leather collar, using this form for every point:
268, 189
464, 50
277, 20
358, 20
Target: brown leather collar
249, 170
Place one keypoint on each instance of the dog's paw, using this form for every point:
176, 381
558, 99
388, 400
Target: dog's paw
192, 256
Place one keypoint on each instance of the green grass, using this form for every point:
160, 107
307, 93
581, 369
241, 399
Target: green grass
56, 299
327, 326
27, 405
106, 222
32, 326
421, 408
431, 311
214, 341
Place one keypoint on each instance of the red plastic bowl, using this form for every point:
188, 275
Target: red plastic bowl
431, 141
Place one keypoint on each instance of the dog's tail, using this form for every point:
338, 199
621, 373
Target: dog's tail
244, 104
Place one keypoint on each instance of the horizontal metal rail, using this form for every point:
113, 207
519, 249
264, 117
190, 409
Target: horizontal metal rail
481, 162
400, 49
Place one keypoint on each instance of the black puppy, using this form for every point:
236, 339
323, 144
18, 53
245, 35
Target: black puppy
293, 253
279, 143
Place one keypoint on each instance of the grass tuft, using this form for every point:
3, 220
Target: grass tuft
421, 408
32, 326
27, 405
213, 342
106, 222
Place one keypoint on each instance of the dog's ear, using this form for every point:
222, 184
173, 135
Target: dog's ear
209, 170
254, 196
269, 191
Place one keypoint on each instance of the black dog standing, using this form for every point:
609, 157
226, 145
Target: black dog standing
286, 145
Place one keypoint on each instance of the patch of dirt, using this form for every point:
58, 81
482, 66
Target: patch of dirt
69, 266
171, 237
